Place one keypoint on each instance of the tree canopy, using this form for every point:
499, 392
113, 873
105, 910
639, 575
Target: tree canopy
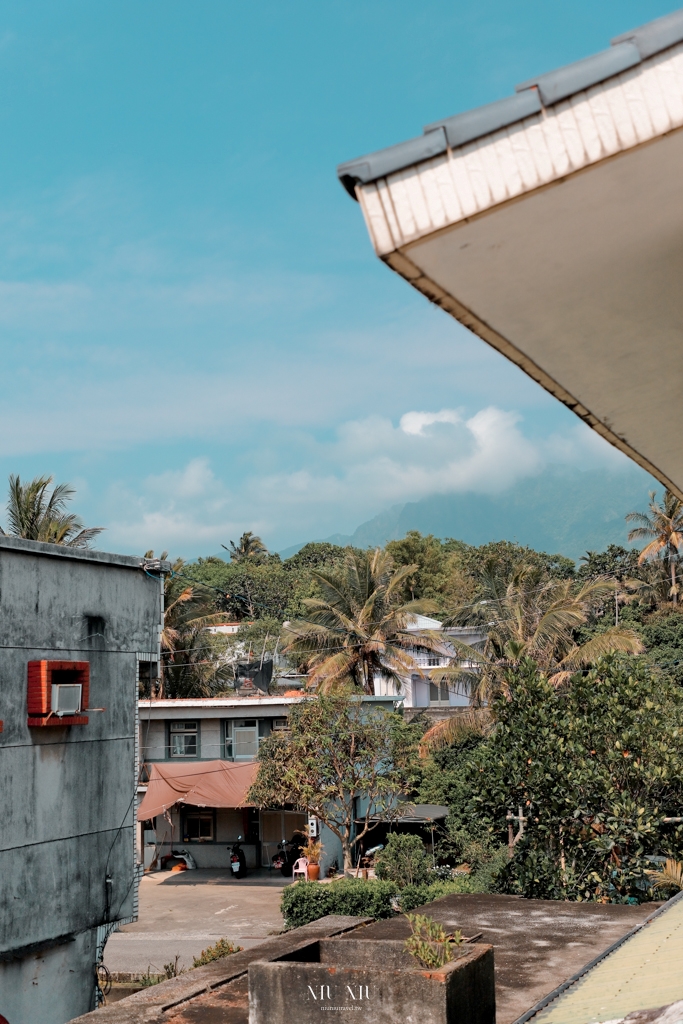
35, 513
343, 761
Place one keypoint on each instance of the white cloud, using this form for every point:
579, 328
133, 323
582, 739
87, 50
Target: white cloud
370, 465
415, 422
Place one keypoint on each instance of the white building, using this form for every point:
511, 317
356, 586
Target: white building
419, 690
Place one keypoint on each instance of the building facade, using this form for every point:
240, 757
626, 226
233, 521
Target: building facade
79, 629
220, 729
420, 693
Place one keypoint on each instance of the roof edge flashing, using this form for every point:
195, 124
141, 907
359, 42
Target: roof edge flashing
558, 85
473, 124
388, 161
655, 36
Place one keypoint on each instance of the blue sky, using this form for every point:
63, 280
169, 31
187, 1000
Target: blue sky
195, 331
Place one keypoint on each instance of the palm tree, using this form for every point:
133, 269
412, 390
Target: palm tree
359, 627
249, 548
35, 514
527, 616
662, 525
188, 665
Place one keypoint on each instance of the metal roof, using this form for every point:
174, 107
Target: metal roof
626, 51
643, 972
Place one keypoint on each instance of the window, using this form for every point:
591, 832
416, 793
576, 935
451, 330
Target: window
280, 725
433, 659
438, 693
94, 627
198, 827
245, 739
183, 739
148, 671
227, 741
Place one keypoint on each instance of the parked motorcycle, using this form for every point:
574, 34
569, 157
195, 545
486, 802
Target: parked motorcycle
238, 860
288, 853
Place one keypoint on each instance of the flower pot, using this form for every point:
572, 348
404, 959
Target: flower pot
313, 872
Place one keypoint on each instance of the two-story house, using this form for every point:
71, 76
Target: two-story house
418, 691
178, 735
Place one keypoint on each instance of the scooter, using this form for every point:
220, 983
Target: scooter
238, 860
289, 851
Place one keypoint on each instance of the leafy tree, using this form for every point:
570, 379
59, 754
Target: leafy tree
342, 760
662, 526
246, 589
507, 557
427, 556
617, 562
316, 555
358, 628
36, 514
403, 860
662, 634
249, 548
596, 768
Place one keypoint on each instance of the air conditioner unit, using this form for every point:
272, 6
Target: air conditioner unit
57, 691
66, 699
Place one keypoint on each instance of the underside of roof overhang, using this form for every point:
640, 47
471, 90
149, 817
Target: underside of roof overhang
558, 238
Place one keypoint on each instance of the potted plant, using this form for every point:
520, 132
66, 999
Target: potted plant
313, 851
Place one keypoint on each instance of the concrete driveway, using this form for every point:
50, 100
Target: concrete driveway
181, 914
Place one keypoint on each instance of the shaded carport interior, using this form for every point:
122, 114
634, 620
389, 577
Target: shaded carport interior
551, 224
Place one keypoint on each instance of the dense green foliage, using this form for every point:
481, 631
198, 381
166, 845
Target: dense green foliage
403, 860
308, 901
595, 767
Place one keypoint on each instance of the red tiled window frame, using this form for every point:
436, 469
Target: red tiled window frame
40, 692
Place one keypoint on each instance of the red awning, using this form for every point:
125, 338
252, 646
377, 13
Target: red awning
203, 784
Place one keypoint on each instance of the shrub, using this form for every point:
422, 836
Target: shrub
309, 901
304, 902
417, 895
222, 948
403, 860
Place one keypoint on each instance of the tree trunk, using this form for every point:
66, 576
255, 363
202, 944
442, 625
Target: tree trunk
348, 855
673, 580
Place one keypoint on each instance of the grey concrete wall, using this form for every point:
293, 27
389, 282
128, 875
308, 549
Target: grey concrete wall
50, 987
68, 792
152, 740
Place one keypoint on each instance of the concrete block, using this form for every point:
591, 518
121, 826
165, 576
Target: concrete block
377, 991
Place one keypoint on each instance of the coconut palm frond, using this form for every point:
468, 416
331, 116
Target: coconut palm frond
36, 514
609, 642
361, 612
455, 729
668, 877
559, 679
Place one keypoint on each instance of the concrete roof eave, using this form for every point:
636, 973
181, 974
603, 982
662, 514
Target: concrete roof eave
556, 236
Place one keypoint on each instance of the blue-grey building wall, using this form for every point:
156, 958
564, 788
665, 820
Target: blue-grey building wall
67, 862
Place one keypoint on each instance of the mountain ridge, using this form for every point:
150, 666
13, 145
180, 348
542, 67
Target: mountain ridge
562, 511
